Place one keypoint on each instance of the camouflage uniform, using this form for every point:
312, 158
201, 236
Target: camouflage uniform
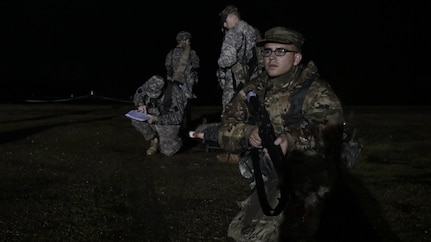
172, 61
236, 51
259, 68
169, 113
312, 152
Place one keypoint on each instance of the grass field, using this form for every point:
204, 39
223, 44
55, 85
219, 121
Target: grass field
79, 173
395, 168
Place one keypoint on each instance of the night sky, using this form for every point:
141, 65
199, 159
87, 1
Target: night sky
374, 53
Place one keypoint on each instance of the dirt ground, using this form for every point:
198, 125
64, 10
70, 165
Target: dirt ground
74, 172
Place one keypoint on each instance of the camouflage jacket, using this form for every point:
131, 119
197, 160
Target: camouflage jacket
190, 76
170, 111
322, 110
237, 45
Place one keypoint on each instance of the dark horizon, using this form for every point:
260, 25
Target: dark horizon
371, 53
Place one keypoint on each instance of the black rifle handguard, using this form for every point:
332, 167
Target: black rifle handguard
267, 135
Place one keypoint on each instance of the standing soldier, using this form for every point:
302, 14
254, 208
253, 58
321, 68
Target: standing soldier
236, 52
181, 65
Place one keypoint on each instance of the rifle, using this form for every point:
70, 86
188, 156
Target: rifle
267, 134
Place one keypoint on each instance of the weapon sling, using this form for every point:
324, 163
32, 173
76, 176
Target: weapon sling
261, 193
275, 153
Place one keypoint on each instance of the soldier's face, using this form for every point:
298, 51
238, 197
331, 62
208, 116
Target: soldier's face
276, 65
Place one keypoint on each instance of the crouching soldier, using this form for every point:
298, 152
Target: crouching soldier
164, 103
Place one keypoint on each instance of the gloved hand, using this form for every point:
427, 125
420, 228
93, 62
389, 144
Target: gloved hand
221, 83
221, 75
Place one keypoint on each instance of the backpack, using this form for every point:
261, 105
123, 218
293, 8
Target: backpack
351, 144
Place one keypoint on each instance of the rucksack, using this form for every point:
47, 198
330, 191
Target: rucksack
351, 144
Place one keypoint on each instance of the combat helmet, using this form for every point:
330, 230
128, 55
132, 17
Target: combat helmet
183, 35
154, 86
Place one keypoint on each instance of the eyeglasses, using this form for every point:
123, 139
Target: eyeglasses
278, 52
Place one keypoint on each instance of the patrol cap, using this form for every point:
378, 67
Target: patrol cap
282, 35
154, 86
183, 35
226, 11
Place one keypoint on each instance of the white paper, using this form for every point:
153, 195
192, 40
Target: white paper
136, 115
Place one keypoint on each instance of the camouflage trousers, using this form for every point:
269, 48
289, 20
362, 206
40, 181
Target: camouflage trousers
251, 224
228, 91
169, 138
299, 221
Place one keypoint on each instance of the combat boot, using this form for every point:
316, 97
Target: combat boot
153, 146
228, 157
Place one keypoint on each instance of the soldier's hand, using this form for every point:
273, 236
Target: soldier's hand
283, 142
254, 138
142, 108
152, 119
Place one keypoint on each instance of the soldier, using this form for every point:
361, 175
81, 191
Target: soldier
164, 102
181, 65
236, 52
310, 146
